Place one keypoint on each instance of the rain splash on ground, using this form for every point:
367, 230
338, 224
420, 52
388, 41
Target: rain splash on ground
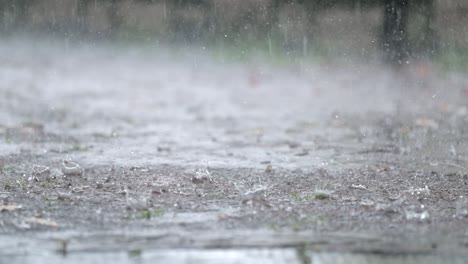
108, 150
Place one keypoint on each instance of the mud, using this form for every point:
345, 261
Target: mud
105, 148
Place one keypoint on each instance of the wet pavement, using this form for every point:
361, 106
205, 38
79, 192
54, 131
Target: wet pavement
135, 154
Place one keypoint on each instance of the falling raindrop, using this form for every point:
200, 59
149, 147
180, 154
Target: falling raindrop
417, 213
461, 207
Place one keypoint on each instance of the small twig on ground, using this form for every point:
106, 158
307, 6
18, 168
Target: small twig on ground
453, 165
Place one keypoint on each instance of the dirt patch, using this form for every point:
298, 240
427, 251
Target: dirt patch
112, 145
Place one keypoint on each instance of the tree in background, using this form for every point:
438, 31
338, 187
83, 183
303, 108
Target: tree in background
395, 24
189, 20
13, 13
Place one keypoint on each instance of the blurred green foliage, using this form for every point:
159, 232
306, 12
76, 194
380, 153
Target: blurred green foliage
296, 28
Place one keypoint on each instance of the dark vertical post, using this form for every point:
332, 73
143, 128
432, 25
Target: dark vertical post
394, 40
429, 36
82, 7
115, 18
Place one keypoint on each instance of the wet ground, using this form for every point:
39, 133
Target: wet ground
129, 154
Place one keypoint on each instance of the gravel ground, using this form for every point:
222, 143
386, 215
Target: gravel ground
107, 148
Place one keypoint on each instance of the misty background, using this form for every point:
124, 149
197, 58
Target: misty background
293, 127
292, 29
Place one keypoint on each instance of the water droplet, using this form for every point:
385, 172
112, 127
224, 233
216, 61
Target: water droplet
461, 208
418, 213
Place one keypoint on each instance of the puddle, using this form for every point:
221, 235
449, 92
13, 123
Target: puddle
143, 247
390, 159
234, 256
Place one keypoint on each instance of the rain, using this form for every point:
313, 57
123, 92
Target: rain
233, 131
